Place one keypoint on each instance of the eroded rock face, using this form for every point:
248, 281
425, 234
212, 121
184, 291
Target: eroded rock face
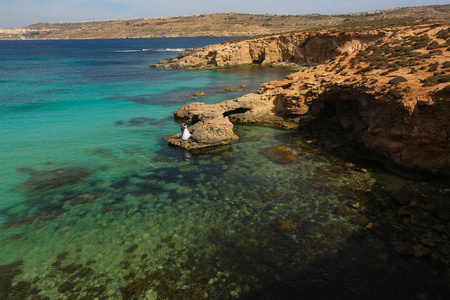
292, 48
400, 132
206, 133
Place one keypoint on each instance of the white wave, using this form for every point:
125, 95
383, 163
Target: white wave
135, 50
171, 50
156, 50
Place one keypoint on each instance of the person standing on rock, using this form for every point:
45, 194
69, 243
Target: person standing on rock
185, 134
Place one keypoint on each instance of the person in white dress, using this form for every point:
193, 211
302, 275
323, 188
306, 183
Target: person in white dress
185, 132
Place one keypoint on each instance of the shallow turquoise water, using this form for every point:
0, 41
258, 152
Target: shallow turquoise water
95, 204
61, 100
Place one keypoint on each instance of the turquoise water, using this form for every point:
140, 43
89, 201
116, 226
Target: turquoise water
62, 100
95, 204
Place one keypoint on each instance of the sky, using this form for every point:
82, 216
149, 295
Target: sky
21, 13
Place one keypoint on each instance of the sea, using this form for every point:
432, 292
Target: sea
94, 204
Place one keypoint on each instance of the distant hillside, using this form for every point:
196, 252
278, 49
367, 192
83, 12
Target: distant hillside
221, 24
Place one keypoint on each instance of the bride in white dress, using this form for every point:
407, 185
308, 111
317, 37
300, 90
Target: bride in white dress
186, 134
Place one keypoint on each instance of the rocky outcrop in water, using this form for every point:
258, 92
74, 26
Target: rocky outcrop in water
205, 133
387, 89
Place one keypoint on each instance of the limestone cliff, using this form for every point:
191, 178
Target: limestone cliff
388, 89
284, 49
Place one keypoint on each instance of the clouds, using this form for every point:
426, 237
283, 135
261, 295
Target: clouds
20, 13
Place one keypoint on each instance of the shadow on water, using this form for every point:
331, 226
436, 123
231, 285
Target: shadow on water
358, 271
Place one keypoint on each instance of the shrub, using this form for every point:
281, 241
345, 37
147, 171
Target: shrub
436, 52
397, 80
366, 69
425, 56
443, 34
362, 53
353, 61
436, 79
446, 64
340, 69
420, 41
393, 69
395, 93
433, 45
378, 60
433, 67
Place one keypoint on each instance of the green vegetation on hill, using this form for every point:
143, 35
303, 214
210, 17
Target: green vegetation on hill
229, 24
364, 24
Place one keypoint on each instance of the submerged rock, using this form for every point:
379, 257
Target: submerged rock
281, 154
42, 181
135, 288
289, 225
134, 122
25, 220
7, 274
199, 94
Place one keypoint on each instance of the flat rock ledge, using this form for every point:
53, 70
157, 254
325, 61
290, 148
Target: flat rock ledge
206, 133
250, 109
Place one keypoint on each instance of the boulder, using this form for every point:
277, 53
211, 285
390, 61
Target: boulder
206, 133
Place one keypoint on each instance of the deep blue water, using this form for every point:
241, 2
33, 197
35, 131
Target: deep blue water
95, 204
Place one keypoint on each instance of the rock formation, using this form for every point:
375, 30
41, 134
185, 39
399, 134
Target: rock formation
282, 49
387, 88
209, 132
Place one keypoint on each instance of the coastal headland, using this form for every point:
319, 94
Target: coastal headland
388, 89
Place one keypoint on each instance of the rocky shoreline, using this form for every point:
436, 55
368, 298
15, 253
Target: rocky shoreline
388, 93
387, 88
